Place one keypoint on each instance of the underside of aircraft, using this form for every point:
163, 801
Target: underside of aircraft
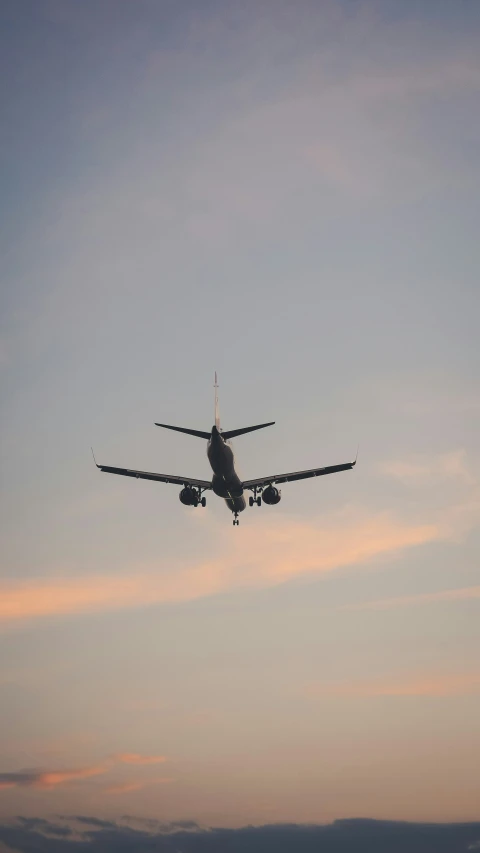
225, 482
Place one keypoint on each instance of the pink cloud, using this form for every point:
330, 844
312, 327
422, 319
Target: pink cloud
264, 554
424, 471
463, 684
51, 779
54, 779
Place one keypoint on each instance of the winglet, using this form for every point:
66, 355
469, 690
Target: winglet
356, 455
98, 466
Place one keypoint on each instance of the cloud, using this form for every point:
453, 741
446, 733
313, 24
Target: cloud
464, 684
377, 142
263, 555
129, 787
55, 778
49, 779
375, 146
341, 836
46, 826
463, 594
134, 758
426, 471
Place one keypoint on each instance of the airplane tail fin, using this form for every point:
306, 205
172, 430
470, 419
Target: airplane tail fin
217, 410
232, 433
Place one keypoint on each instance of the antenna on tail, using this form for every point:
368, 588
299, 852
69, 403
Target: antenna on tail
217, 412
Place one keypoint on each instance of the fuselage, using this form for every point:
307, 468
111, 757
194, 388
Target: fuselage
225, 481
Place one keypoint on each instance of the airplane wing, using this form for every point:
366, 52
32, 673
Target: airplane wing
161, 478
297, 475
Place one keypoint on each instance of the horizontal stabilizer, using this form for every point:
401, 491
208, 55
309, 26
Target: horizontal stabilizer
196, 432
232, 433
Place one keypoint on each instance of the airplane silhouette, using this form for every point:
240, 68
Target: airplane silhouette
225, 481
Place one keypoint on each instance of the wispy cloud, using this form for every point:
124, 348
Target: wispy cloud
49, 779
52, 779
425, 471
261, 556
134, 758
463, 594
463, 684
129, 787
375, 145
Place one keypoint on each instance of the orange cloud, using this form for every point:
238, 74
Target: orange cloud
463, 594
61, 777
265, 553
50, 779
134, 758
464, 684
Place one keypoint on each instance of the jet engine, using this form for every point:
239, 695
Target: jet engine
188, 497
271, 495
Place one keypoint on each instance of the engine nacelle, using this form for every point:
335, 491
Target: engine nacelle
271, 495
188, 497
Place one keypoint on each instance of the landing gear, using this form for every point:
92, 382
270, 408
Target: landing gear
204, 502
255, 500
236, 520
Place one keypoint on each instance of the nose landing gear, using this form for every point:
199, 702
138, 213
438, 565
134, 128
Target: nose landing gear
236, 520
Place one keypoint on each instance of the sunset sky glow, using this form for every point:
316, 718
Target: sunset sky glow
286, 191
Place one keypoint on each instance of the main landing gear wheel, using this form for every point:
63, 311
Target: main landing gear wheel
204, 501
252, 501
259, 500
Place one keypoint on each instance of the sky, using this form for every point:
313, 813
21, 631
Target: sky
287, 192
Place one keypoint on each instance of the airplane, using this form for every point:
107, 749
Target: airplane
225, 481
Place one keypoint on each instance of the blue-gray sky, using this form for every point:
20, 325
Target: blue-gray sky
286, 192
